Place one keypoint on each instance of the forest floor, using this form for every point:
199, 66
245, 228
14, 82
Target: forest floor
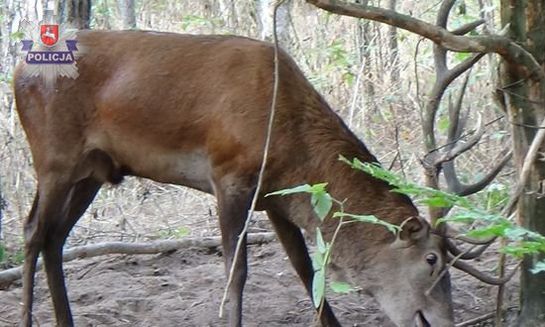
184, 288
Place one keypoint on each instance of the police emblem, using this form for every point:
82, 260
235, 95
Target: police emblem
54, 54
49, 34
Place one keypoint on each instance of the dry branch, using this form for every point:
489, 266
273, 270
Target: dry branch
475, 321
461, 147
464, 29
479, 319
88, 251
501, 45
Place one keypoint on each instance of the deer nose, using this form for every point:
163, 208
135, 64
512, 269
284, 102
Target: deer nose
420, 320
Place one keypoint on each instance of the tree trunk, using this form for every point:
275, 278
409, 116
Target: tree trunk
525, 106
77, 14
265, 9
392, 44
365, 38
1, 212
229, 11
126, 9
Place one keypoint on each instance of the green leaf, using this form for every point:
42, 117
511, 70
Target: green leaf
496, 196
489, 231
317, 261
321, 203
369, 219
318, 287
443, 124
456, 219
437, 202
464, 216
320, 200
318, 188
17, 36
516, 233
341, 287
349, 78
322, 248
18, 257
466, 210
461, 56
538, 267
306, 188
297, 189
523, 248
182, 232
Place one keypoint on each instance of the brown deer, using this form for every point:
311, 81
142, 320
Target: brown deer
193, 111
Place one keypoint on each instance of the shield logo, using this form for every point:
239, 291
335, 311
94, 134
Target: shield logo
49, 34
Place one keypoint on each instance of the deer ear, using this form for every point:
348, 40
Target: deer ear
413, 229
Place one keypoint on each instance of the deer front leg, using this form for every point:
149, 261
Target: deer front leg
233, 209
294, 244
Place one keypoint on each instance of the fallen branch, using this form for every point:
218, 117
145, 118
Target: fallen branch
88, 251
480, 319
474, 321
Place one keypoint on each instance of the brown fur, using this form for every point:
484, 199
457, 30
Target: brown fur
193, 110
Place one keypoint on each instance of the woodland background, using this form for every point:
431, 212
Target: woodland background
378, 78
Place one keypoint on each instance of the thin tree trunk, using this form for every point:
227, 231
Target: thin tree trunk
393, 46
126, 9
265, 9
1, 211
228, 9
366, 35
525, 104
76, 13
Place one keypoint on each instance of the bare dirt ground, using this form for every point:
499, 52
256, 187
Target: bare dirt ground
184, 288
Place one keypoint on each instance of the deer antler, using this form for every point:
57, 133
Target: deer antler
456, 187
472, 254
492, 280
456, 127
475, 241
452, 248
458, 148
444, 76
444, 160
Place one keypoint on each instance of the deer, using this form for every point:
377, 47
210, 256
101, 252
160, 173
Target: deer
192, 110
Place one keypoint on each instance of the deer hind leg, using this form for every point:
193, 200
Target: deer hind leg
56, 208
45, 213
33, 244
233, 208
294, 244
79, 198
63, 196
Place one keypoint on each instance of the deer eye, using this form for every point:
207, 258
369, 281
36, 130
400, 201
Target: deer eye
431, 259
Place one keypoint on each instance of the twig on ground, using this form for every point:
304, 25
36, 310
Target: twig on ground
479, 319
